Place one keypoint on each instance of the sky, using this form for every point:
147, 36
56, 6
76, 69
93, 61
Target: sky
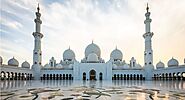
109, 23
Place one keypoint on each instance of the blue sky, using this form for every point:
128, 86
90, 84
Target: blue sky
76, 23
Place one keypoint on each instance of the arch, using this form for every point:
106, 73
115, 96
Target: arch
134, 76
141, 77
57, 77
28, 76
137, 76
44, 76
47, 76
60, 76
100, 76
127, 76
131, 77
124, 76
154, 76
84, 76
121, 76
179, 76
170, 76
25, 76
15, 76
70, 77
92, 75
162, 75
174, 76
117, 76
11, 75
31, 77
3, 77
66, 76
7, 75
22, 76
53, 76
50, 76
114, 76
19, 76
183, 75
166, 76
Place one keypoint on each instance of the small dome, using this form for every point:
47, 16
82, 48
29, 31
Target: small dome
138, 66
25, 65
46, 65
1, 60
58, 65
173, 62
92, 48
13, 62
126, 66
116, 54
68, 54
92, 57
160, 65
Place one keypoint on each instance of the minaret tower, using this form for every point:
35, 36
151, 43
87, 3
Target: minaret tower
148, 53
37, 53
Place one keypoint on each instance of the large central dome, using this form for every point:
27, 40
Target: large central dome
92, 48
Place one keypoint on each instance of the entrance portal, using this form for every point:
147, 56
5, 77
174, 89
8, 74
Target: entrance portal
92, 75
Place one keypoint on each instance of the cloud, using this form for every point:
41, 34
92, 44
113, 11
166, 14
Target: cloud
109, 23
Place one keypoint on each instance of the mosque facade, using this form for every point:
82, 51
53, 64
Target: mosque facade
92, 66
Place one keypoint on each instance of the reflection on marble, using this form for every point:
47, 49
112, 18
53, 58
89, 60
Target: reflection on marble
16, 84
116, 89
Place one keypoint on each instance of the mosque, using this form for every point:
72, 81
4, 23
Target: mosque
92, 66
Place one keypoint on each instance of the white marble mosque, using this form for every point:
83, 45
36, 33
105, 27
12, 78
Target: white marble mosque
92, 66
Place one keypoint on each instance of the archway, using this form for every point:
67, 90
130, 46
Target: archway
179, 76
183, 75
44, 76
66, 76
60, 76
114, 76
101, 76
117, 76
134, 77
170, 76
141, 77
127, 76
121, 76
137, 76
50, 76
3, 75
70, 77
47, 76
57, 77
124, 76
84, 76
92, 75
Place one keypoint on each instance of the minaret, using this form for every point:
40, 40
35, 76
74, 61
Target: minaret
37, 53
148, 53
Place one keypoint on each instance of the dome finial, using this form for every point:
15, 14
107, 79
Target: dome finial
92, 41
116, 47
69, 47
38, 8
147, 8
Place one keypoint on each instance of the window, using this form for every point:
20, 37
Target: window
145, 64
150, 53
150, 63
35, 53
35, 62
